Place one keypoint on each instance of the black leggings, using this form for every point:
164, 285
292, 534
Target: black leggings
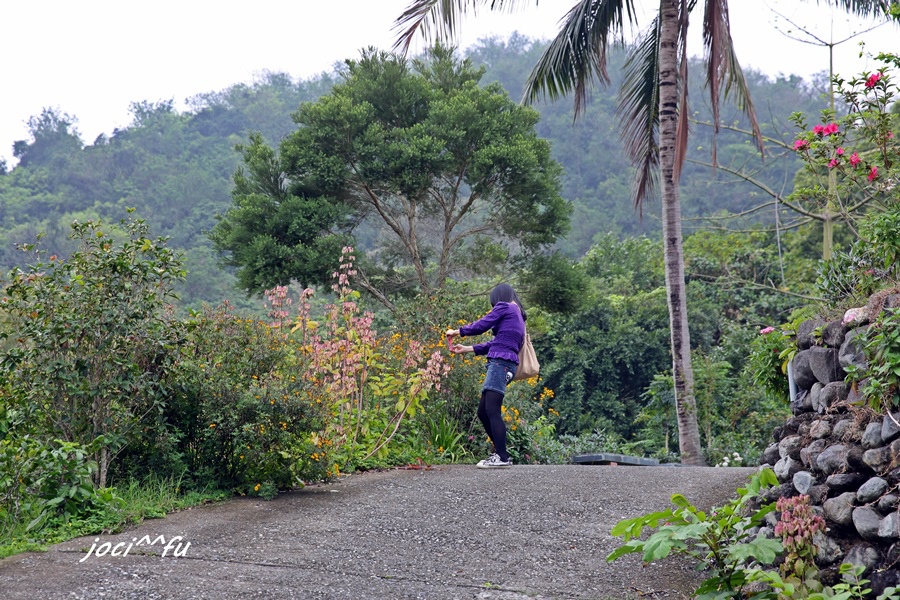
492, 418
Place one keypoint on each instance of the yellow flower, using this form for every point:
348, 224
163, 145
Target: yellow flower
256, 489
212, 425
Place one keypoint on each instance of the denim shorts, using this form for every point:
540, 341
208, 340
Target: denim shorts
499, 373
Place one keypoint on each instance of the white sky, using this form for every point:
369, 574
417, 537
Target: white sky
92, 58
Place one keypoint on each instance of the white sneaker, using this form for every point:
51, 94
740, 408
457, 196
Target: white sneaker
493, 462
494, 456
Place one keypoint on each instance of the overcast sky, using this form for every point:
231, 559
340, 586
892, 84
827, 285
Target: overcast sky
92, 58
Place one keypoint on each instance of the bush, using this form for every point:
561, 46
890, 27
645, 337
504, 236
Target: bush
92, 346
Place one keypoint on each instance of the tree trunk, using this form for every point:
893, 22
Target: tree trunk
685, 403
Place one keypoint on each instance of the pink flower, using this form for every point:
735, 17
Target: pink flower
839, 151
818, 130
800, 144
854, 159
830, 128
873, 173
872, 80
832, 163
766, 330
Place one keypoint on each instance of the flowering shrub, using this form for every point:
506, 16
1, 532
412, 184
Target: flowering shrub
858, 156
243, 419
860, 146
367, 386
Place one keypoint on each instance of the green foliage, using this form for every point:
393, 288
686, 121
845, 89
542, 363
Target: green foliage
407, 148
770, 354
274, 234
882, 347
720, 540
849, 277
92, 349
242, 418
555, 284
39, 480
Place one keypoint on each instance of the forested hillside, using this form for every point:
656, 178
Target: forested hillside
175, 168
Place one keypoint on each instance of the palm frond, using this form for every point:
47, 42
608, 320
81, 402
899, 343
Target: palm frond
862, 8
638, 111
439, 19
724, 73
578, 53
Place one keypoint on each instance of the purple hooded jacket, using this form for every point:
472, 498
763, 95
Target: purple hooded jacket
505, 319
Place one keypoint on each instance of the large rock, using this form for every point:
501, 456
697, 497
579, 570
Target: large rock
863, 555
832, 459
834, 333
810, 454
818, 494
825, 365
881, 460
815, 397
871, 490
820, 429
851, 352
889, 529
770, 454
872, 436
786, 468
856, 460
890, 430
806, 332
803, 374
892, 476
840, 510
802, 402
804, 480
866, 520
790, 447
880, 580
844, 482
888, 502
828, 551
831, 394
846, 430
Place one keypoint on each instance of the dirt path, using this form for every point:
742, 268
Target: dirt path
529, 532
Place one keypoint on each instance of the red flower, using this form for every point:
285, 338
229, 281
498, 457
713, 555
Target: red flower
818, 130
839, 151
832, 163
830, 128
854, 159
800, 144
872, 80
873, 173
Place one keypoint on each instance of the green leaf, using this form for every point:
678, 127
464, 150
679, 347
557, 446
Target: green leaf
761, 549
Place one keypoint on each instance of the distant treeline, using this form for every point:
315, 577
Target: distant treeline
175, 168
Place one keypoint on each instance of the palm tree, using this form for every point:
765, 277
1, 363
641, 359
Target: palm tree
653, 105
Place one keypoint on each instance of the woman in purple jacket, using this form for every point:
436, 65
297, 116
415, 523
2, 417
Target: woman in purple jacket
507, 322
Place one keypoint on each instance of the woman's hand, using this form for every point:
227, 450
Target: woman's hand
460, 349
452, 332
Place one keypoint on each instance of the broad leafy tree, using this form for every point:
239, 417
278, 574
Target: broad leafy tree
436, 174
654, 112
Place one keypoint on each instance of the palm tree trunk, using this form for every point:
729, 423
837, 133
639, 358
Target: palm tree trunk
685, 404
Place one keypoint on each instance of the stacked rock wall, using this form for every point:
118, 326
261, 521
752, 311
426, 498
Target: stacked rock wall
845, 457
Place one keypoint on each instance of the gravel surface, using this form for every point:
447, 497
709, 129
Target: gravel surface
449, 532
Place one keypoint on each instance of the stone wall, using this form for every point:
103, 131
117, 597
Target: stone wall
844, 456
